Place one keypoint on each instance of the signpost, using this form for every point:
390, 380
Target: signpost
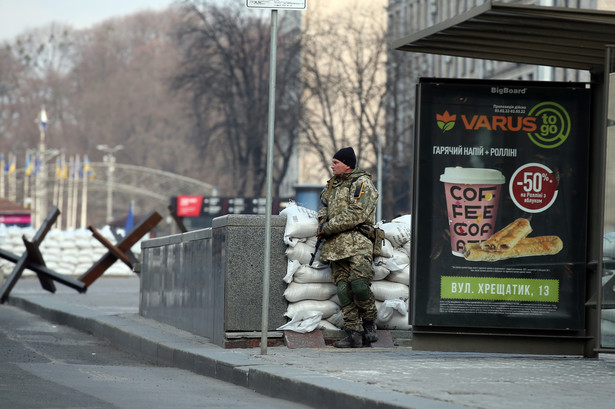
274, 5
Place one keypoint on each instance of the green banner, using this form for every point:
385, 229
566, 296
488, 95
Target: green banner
504, 289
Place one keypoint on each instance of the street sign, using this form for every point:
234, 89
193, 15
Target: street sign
277, 4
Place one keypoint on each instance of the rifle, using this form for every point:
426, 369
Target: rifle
318, 243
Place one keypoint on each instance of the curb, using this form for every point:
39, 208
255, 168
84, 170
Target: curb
168, 346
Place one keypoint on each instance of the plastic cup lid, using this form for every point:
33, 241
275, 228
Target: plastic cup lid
474, 176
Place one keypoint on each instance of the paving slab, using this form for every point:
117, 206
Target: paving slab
327, 377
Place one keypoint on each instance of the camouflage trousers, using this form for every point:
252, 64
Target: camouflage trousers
347, 270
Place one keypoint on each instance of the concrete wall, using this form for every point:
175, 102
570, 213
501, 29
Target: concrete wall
210, 281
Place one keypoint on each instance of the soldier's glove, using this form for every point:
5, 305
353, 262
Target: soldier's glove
321, 229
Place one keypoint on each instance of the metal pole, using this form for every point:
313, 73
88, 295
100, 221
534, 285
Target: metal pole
84, 196
272, 74
107, 158
41, 176
379, 180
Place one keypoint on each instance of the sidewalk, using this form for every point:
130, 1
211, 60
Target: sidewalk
330, 377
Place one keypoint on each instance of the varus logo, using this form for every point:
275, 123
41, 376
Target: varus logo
547, 124
446, 121
500, 123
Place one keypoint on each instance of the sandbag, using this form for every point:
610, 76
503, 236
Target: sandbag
336, 319
306, 274
300, 221
400, 276
311, 241
292, 241
380, 272
324, 325
406, 248
302, 322
302, 253
388, 290
399, 322
393, 314
327, 307
608, 243
397, 233
313, 291
291, 268
387, 249
399, 261
388, 307
406, 218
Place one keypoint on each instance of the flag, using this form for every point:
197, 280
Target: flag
37, 165
12, 166
29, 168
87, 168
58, 169
64, 174
130, 222
42, 119
3, 164
77, 170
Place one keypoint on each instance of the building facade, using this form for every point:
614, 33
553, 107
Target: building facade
404, 69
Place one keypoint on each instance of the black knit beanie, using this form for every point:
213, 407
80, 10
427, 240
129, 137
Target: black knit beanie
346, 156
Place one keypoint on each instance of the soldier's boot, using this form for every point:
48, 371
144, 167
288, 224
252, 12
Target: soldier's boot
370, 331
354, 339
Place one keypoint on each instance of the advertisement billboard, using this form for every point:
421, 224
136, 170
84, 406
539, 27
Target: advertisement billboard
500, 209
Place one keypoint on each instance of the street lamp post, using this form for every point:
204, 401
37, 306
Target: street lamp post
41, 176
109, 160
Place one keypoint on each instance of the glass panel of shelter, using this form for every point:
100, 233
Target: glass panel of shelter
607, 312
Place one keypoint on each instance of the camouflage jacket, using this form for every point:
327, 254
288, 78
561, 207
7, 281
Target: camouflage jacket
346, 202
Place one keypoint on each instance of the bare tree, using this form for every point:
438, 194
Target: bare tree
399, 149
104, 85
120, 93
107, 84
33, 73
225, 70
344, 76
351, 98
10, 66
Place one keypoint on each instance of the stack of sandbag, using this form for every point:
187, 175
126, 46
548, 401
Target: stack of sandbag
68, 252
608, 245
310, 288
11, 241
391, 285
608, 251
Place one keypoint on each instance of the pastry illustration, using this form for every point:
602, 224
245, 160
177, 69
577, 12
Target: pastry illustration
512, 242
509, 236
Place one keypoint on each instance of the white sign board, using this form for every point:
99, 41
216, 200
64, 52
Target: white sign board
278, 4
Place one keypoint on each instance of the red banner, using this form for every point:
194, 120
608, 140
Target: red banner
189, 206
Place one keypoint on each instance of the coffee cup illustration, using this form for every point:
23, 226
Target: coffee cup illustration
472, 201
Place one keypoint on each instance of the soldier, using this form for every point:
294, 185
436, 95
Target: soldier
346, 218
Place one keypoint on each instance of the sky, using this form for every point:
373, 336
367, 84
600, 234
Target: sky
17, 16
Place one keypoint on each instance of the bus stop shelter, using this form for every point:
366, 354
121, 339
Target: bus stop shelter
558, 37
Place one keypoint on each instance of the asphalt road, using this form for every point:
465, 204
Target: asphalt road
49, 366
